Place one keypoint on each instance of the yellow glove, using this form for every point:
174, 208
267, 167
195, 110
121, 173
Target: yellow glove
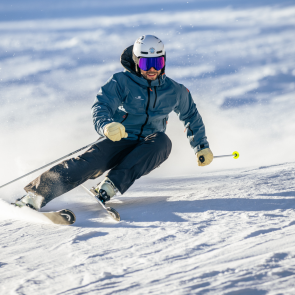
204, 157
115, 131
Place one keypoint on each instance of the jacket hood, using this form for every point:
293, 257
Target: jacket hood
129, 65
127, 61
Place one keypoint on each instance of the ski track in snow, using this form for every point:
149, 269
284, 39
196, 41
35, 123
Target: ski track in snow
227, 232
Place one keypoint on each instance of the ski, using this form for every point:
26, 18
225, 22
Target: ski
61, 217
111, 211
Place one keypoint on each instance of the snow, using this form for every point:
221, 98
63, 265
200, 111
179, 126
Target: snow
227, 228
218, 233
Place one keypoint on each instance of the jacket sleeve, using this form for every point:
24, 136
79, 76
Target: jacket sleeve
192, 120
105, 104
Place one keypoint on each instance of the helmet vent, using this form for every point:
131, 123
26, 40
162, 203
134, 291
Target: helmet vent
159, 51
144, 52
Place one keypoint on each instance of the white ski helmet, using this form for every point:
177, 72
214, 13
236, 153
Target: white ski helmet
147, 46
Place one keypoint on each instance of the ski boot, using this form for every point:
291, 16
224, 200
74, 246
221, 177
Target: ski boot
105, 190
30, 200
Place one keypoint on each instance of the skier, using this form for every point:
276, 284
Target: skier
131, 110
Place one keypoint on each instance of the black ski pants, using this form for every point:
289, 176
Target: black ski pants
127, 161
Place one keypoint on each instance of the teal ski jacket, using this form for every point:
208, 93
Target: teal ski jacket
143, 106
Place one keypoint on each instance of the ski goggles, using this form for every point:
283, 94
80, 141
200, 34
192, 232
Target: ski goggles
145, 63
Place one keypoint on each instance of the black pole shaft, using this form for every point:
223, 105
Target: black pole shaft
85, 147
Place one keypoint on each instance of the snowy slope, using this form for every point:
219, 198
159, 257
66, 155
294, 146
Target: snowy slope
223, 229
227, 232
237, 62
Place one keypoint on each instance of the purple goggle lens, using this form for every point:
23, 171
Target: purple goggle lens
145, 63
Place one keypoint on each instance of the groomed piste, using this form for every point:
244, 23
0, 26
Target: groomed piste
227, 228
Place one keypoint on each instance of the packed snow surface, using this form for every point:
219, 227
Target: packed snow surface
229, 232
227, 228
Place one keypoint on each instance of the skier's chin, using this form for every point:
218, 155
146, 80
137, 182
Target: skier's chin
151, 77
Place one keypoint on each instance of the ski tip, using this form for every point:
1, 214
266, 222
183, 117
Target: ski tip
61, 217
115, 215
236, 155
68, 215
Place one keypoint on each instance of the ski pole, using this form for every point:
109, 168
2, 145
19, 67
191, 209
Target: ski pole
234, 154
85, 147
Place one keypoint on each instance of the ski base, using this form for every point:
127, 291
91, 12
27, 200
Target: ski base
111, 211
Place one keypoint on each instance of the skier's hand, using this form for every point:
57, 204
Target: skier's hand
204, 157
115, 131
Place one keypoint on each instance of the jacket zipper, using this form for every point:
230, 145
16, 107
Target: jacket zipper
156, 96
147, 115
125, 117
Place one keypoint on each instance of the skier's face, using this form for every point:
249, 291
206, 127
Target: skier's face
151, 74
